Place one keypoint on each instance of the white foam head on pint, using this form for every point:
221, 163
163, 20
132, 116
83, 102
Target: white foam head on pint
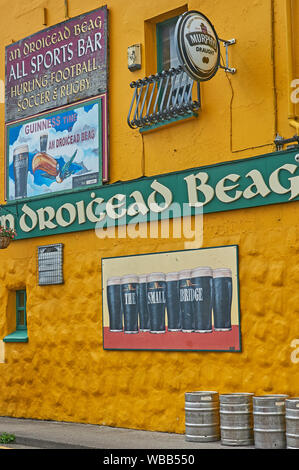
153, 277
113, 281
185, 274
222, 272
142, 278
129, 279
21, 149
202, 271
172, 276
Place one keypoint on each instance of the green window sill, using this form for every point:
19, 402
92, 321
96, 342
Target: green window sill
153, 127
18, 336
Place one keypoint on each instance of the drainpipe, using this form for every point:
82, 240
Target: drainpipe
293, 119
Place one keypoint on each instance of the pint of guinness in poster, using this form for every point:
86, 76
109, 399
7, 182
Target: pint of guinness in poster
222, 299
129, 299
202, 283
156, 301
114, 304
186, 300
173, 302
20, 170
144, 319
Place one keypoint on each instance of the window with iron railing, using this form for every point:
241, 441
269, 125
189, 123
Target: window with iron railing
168, 95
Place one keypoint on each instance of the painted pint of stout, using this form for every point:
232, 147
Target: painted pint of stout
222, 299
173, 302
129, 299
144, 320
20, 168
43, 143
202, 283
114, 304
156, 301
186, 300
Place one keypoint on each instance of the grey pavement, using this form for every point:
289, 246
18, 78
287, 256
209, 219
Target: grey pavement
41, 434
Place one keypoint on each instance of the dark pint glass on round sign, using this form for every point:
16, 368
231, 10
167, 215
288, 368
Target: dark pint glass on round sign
114, 304
222, 299
144, 320
156, 301
202, 282
186, 301
43, 143
129, 299
20, 168
173, 302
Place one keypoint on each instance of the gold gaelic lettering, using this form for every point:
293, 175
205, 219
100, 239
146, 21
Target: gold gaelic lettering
60, 36
13, 55
98, 22
54, 38
67, 32
77, 29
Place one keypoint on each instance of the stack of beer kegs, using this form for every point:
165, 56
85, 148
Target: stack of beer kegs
187, 301
242, 419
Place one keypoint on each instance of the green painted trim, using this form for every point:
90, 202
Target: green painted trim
184, 188
170, 122
21, 309
18, 336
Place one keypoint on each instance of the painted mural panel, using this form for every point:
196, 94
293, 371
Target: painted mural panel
58, 151
182, 300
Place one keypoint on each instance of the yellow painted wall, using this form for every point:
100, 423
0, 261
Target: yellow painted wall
63, 373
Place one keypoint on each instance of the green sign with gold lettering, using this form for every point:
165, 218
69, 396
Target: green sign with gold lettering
257, 181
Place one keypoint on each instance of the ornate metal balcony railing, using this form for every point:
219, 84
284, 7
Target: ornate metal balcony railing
161, 97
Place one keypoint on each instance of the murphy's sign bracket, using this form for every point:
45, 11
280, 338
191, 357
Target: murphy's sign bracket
257, 181
226, 44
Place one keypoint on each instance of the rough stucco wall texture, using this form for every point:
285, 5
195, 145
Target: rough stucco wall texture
63, 373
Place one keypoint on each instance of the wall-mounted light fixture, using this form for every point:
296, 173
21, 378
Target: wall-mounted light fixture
134, 57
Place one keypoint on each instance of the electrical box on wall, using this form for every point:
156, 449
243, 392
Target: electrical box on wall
50, 260
134, 57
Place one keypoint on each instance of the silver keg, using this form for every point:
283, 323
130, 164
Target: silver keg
236, 421
202, 416
269, 421
292, 423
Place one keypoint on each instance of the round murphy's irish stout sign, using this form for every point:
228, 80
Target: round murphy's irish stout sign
197, 45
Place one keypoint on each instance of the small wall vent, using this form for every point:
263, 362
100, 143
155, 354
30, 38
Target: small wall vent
50, 259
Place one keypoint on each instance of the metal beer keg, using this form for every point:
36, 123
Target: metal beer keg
202, 416
114, 304
156, 301
222, 299
129, 298
202, 283
269, 421
172, 302
292, 422
236, 420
